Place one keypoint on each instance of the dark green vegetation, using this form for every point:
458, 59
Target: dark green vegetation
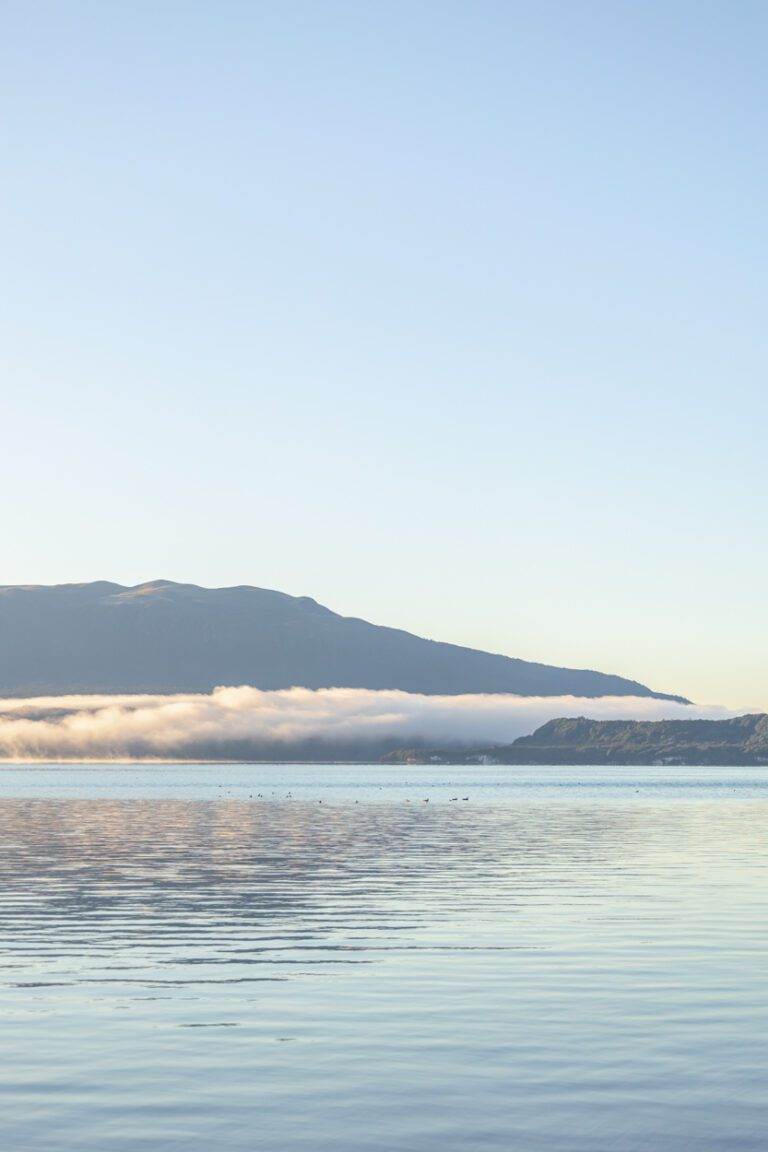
166, 637
740, 741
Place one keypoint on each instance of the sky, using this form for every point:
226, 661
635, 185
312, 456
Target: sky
449, 315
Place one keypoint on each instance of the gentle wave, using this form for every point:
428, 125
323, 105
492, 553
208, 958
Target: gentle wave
288, 959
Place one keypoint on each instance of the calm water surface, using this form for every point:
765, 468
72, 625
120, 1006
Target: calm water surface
283, 959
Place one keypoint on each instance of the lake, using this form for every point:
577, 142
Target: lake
341, 958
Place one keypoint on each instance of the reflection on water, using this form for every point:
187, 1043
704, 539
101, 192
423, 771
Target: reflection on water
250, 958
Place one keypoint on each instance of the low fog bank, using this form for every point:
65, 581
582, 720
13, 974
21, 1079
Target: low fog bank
293, 724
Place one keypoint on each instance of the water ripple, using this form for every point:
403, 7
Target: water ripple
557, 964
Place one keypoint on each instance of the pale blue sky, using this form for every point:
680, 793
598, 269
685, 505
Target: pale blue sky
451, 315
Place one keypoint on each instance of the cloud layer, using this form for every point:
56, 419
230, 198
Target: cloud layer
246, 723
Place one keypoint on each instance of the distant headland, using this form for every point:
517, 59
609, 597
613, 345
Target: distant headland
742, 740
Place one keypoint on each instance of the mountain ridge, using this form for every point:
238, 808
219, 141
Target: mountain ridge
164, 636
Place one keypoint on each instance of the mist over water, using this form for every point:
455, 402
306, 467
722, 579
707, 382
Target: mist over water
248, 723
334, 958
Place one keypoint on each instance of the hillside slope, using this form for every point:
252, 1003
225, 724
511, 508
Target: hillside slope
740, 740
167, 637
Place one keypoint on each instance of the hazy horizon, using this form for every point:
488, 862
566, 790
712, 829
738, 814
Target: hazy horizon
241, 722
